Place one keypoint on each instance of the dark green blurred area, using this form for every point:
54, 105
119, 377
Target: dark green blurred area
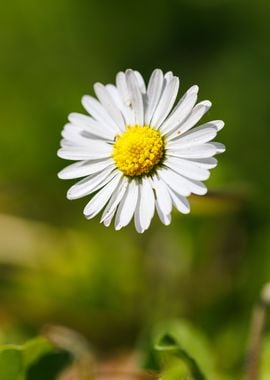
111, 286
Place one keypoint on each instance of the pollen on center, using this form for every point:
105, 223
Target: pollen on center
138, 150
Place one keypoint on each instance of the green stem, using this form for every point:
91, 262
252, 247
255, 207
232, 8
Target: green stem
256, 335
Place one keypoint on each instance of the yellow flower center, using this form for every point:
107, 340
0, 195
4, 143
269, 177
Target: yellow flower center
138, 150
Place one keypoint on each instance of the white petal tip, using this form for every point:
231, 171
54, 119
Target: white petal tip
167, 222
206, 103
87, 217
84, 100
72, 194
72, 116
97, 85
72, 197
185, 212
129, 72
61, 174
159, 71
140, 231
220, 148
60, 153
219, 124
86, 213
194, 89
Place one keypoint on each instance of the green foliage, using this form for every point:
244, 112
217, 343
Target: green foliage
17, 361
169, 347
178, 339
265, 362
208, 266
176, 370
11, 364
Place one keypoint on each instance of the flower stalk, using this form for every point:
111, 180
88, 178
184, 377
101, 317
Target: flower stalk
256, 334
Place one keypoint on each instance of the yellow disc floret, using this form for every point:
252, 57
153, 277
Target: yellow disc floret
138, 150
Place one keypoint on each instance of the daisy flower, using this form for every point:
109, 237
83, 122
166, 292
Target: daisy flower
137, 151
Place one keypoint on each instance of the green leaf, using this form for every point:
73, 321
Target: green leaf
265, 363
168, 345
49, 366
179, 342
34, 349
11, 365
16, 359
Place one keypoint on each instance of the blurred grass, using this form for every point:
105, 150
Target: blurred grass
111, 286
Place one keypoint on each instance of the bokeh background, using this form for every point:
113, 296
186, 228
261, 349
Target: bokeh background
112, 287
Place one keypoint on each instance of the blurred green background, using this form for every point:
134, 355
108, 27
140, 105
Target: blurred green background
207, 267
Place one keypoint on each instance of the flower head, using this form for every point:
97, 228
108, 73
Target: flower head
137, 151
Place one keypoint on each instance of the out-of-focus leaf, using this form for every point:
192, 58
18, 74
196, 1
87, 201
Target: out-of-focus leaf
169, 346
11, 364
34, 349
15, 360
177, 370
221, 203
180, 340
50, 366
265, 363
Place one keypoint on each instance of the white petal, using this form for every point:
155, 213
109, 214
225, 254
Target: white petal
84, 168
127, 112
220, 148
122, 87
187, 168
163, 198
136, 97
79, 137
137, 220
108, 103
196, 136
111, 207
127, 205
210, 124
180, 203
180, 184
140, 82
91, 126
205, 163
145, 207
196, 187
175, 181
97, 203
115, 94
69, 144
218, 124
165, 218
94, 108
181, 111
197, 151
196, 114
166, 102
168, 76
154, 90
91, 183
84, 153
147, 204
